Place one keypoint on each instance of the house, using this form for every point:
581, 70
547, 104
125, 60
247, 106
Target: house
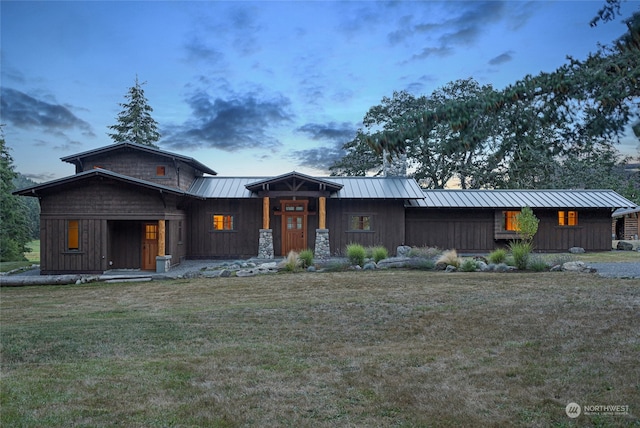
136, 207
625, 223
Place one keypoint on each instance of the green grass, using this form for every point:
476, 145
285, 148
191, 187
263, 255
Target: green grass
33, 257
387, 348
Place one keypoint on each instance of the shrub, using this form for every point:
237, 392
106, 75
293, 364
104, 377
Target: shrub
450, 258
498, 256
520, 250
538, 264
306, 258
468, 265
356, 254
291, 263
379, 253
527, 224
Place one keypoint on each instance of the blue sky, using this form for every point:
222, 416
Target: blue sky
260, 88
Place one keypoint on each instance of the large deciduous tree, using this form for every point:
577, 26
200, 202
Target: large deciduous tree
14, 229
135, 123
535, 132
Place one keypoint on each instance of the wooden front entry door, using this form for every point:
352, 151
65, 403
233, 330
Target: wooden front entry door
149, 246
294, 226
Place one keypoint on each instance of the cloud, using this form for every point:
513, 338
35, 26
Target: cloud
26, 112
466, 22
323, 157
238, 122
338, 133
197, 51
502, 58
319, 158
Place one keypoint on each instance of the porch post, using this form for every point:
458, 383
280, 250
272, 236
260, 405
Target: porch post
265, 212
322, 222
161, 238
163, 261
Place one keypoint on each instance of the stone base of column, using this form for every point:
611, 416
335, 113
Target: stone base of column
322, 250
163, 264
265, 244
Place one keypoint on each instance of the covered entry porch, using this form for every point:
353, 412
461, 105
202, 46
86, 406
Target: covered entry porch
294, 214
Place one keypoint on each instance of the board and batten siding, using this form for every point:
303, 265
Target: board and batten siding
387, 223
462, 230
205, 242
480, 230
110, 217
593, 232
55, 256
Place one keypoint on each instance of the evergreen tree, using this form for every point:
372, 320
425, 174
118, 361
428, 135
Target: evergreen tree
14, 229
135, 123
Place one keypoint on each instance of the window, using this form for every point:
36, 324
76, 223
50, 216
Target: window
509, 222
567, 218
151, 231
161, 171
360, 222
222, 222
73, 235
179, 231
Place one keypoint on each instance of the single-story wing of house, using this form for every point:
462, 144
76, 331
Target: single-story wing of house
130, 206
625, 223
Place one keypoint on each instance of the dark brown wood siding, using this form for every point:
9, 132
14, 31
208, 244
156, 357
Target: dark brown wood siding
133, 163
55, 257
593, 232
462, 230
387, 223
204, 242
468, 230
110, 215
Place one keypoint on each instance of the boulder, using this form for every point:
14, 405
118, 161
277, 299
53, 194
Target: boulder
577, 266
624, 246
403, 251
451, 268
576, 250
369, 266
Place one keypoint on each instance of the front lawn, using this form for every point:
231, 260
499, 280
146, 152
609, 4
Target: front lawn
385, 348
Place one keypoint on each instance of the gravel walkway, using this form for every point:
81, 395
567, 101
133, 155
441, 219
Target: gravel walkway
617, 270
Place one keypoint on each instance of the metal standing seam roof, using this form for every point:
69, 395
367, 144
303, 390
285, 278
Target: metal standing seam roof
445, 198
352, 187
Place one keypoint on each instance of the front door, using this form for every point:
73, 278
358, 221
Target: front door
294, 226
149, 246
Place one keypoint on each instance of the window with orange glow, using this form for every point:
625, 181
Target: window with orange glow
567, 218
222, 222
161, 171
509, 222
73, 235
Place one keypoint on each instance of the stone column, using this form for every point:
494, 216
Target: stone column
265, 244
322, 250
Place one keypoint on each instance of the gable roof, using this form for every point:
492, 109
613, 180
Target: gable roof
339, 187
446, 198
77, 158
98, 172
293, 177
